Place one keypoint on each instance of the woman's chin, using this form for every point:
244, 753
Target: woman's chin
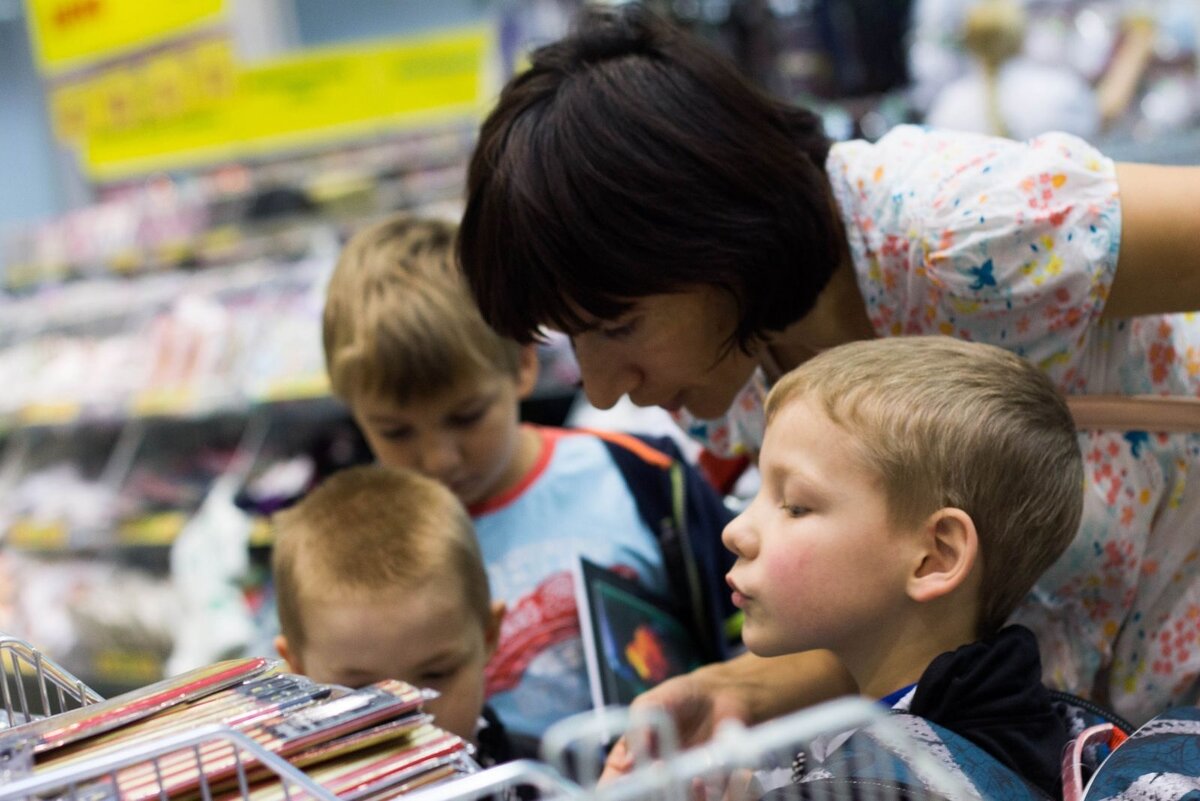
706, 409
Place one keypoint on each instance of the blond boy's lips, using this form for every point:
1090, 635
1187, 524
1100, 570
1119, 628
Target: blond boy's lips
739, 598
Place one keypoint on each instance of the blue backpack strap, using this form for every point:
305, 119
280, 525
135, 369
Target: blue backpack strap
1159, 760
1094, 732
687, 517
866, 766
1080, 713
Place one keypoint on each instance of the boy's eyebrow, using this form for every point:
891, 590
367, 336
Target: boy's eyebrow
790, 472
355, 675
382, 418
454, 651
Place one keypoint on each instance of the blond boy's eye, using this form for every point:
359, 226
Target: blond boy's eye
794, 510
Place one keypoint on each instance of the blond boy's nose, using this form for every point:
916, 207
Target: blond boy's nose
738, 538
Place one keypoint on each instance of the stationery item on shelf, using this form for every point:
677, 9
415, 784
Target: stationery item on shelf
406, 726
236, 707
89, 721
632, 638
357, 743
286, 733
377, 774
435, 756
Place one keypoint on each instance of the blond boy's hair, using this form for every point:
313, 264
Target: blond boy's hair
399, 322
371, 529
951, 423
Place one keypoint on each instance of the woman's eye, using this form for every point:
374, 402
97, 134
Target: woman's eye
396, 434
619, 331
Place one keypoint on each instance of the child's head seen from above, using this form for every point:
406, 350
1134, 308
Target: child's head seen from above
433, 388
378, 575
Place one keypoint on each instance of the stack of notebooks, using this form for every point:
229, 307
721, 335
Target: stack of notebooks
370, 744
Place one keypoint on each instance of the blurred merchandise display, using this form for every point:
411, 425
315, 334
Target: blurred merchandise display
167, 391
236, 213
171, 344
1121, 73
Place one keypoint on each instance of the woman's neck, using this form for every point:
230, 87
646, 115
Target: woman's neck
839, 316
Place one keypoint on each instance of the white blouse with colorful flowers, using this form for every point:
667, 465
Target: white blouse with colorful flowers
1015, 244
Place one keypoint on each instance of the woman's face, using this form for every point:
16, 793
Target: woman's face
667, 350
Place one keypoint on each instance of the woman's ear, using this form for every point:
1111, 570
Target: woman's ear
527, 371
948, 551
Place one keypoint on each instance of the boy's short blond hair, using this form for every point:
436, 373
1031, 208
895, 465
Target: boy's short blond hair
368, 529
950, 423
399, 322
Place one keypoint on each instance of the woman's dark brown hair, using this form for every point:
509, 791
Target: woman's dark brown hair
632, 160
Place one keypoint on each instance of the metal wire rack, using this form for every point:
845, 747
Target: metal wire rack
211, 762
33, 686
100, 778
738, 764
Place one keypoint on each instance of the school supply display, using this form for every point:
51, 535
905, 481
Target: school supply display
255, 730
59, 730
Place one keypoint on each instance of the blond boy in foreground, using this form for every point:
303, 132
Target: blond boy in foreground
378, 575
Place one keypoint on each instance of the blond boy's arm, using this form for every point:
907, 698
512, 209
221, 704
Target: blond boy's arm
747, 688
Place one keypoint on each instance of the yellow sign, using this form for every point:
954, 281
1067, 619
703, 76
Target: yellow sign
67, 34
161, 89
194, 104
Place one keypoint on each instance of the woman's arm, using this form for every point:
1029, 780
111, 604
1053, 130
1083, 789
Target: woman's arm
1158, 267
748, 688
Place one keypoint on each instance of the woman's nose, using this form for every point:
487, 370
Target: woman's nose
605, 379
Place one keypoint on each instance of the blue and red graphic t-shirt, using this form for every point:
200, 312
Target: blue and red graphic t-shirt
574, 502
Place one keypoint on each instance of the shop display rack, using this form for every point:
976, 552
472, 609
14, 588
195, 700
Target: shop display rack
739, 764
33, 686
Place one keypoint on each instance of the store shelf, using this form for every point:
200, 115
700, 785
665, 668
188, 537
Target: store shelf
175, 404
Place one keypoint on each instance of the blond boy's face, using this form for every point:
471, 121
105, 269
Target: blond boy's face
819, 563
466, 437
424, 635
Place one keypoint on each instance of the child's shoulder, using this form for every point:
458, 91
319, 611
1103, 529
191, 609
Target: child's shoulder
642, 450
579, 468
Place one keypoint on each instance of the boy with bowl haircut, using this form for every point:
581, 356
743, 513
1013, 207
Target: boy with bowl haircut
378, 575
436, 390
913, 489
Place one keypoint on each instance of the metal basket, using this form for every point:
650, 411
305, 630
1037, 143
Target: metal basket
33, 686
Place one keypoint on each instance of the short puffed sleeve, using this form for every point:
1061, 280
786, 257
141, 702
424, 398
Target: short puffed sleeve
986, 239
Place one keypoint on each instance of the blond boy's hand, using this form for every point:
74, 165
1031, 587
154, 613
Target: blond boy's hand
696, 702
747, 688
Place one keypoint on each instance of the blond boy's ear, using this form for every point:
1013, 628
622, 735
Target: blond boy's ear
948, 550
491, 635
527, 371
287, 655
